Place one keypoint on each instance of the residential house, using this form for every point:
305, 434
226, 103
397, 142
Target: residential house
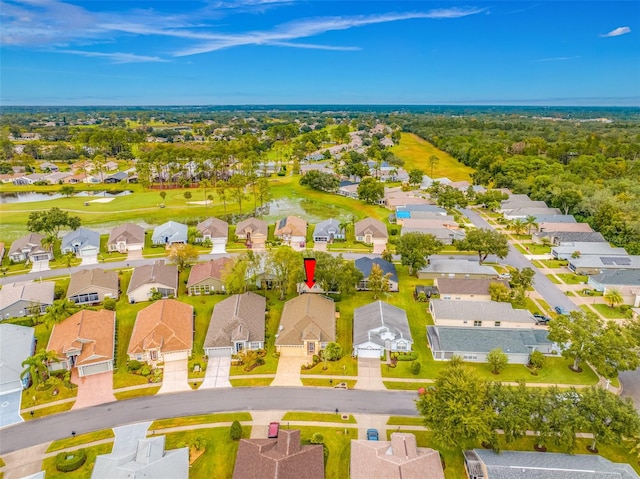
474, 344
467, 267
486, 464
17, 343
282, 457
126, 237
170, 233
25, 298
29, 248
400, 458
85, 341
1, 251
365, 264
84, 243
116, 177
134, 455
597, 264
373, 232
466, 289
47, 166
237, 324
157, 277
445, 231
395, 198
554, 219
485, 314
414, 211
307, 324
568, 250
292, 230
93, 286
562, 238
253, 231
522, 213
57, 178
208, 277
215, 231
348, 189
547, 231
626, 281
163, 331
110, 166
327, 231
379, 327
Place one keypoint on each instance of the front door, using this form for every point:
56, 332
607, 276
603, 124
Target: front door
311, 347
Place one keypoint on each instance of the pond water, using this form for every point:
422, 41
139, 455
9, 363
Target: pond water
29, 197
311, 211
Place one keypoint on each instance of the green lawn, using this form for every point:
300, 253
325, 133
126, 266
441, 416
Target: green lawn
535, 248
326, 382
49, 464
554, 279
80, 439
416, 152
250, 382
453, 462
317, 417
47, 411
404, 386
608, 312
554, 263
571, 278
338, 441
134, 393
405, 421
199, 419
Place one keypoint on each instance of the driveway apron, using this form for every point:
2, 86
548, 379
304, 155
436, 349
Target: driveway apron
175, 377
288, 373
93, 390
217, 373
369, 374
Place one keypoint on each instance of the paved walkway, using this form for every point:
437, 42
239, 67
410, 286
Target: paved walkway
217, 373
369, 374
175, 377
24, 462
93, 390
288, 373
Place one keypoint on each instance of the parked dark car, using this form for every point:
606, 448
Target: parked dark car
561, 310
541, 318
372, 434
274, 429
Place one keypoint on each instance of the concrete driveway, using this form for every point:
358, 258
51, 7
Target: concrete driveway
369, 374
175, 377
217, 373
288, 373
93, 390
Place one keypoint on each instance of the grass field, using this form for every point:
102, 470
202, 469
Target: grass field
416, 152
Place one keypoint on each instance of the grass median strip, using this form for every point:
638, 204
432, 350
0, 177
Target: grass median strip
80, 439
317, 417
200, 419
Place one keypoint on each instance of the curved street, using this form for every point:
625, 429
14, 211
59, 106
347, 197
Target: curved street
190, 403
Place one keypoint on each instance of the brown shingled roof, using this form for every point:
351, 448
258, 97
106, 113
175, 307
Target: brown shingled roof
214, 227
127, 232
211, 269
308, 316
167, 324
239, 317
91, 332
291, 225
254, 225
465, 286
371, 226
157, 272
92, 277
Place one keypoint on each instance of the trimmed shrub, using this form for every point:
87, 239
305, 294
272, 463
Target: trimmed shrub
134, 365
317, 438
58, 292
236, 431
109, 304
145, 370
415, 368
70, 461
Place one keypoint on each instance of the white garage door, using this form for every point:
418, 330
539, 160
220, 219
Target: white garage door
176, 356
94, 369
218, 352
369, 353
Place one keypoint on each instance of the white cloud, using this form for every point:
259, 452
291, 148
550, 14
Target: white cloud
115, 57
557, 59
616, 32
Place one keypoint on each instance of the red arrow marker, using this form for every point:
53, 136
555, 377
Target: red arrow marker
309, 272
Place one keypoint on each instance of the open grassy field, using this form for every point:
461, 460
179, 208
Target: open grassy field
416, 152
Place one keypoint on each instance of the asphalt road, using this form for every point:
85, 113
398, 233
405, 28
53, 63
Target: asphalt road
149, 408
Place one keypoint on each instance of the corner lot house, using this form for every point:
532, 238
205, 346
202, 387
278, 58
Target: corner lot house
465, 289
279, 458
237, 324
379, 327
327, 231
82, 242
399, 458
292, 231
25, 298
373, 232
134, 455
474, 344
163, 332
307, 324
92, 286
29, 248
85, 341
485, 464
17, 343
125, 238
216, 231
146, 279
365, 264
169, 233
253, 231
207, 278
486, 314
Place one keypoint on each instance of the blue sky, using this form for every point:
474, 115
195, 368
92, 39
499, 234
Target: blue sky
319, 52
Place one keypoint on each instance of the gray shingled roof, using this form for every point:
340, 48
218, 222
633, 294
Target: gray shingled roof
624, 277
239, 317
16, 344
456, 266
37, 292
92, 277
365, 264
606, 262
483, 340
157, 272
479, 311
82, 237
328, 227
589, 248
569, 236
214, 227
466, 286
373, 319
534, 465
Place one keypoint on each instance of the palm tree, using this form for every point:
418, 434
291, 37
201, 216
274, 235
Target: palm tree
222, 193
613, 297
433, 161
60, 310
36, 365
517, 226
530, 221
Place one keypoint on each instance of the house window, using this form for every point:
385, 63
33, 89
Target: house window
468, 357
457, 298
138, 357
311, 347
464, 321
497, 324
477, 323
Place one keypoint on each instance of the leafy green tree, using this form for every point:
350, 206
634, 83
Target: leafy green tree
370, 190
37, 365
187, 195
319, 180
239, 274
183, 255
59, 310
616, 350
333, 273
109, 304
499, 292
497, 360
522, 278
415, 248
333, 351
457, 408
514, 407
537, 360
613, 297
576, 334
378, 281
518, 226
50, 222
235, 431
386, 255
67, 190
415, 176
237, 184
285, 265
163, 195
485, 242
